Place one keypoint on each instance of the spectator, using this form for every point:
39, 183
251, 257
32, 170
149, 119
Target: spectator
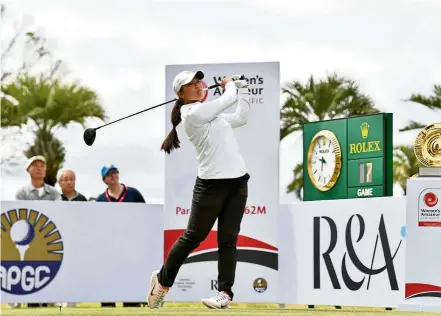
66, 179
118, 192
37, 190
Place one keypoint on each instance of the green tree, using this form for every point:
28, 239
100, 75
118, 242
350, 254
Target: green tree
432, 102
48, 104
330, 98
296, 184
405, 164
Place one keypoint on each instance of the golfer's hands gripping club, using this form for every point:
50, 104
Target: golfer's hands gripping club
238, 79
224, 82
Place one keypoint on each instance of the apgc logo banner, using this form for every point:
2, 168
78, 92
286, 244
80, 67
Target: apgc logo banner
32, 251
53, 251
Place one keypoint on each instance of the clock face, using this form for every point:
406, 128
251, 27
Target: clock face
323, 161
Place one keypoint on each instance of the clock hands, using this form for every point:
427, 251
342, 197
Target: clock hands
323, 161
321, 171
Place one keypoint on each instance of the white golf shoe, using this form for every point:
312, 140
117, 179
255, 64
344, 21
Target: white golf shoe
156, 292
220, 301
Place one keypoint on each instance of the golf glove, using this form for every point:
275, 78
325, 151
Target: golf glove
237, 77
241, 84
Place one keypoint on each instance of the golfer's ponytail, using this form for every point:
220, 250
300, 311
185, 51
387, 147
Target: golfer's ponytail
172, 140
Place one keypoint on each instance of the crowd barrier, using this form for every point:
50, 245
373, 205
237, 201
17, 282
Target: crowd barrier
340, 252
79, 251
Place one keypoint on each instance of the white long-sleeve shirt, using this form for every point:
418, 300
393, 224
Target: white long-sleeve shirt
211, 133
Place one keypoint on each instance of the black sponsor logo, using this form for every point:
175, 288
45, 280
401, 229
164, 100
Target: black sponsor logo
351, 254
426, 212
213, 285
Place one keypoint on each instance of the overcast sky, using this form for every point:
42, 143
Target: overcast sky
120, 49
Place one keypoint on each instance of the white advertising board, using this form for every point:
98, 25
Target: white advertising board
256, 278
343, 252
423, 250
78, 251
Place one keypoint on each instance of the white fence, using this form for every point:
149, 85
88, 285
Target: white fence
343, 252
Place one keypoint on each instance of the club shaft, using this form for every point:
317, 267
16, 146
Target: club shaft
123, 118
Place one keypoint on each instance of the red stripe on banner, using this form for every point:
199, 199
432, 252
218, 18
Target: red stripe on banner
429, 224
170, 237
417, 288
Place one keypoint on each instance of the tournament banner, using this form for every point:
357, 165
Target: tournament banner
78, 251
423, 250
343, 252
257, 268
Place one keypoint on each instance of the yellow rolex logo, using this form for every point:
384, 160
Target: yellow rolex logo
364, 129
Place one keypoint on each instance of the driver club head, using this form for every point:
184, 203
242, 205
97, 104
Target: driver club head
89, 136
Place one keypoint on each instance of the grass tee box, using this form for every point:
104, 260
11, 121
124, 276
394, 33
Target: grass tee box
195, 309
348, 158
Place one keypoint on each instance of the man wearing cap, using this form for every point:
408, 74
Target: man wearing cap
37, 190
117, 192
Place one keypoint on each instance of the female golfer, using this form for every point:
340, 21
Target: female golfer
221, 187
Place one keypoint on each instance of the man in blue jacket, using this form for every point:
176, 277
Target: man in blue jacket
116, 191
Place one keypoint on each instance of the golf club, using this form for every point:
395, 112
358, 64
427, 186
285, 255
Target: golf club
90, 133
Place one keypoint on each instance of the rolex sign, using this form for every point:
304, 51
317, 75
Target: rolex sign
364, 162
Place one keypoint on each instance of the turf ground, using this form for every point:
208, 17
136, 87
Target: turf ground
180, 309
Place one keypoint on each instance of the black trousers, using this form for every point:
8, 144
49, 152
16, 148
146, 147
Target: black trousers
221, 199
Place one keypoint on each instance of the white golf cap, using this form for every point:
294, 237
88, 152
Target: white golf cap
35, 158
185, 77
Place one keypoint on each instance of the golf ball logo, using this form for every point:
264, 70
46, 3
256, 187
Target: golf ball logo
22, 234
31, 251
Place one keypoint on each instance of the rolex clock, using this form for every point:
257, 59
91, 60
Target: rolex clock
324, 160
